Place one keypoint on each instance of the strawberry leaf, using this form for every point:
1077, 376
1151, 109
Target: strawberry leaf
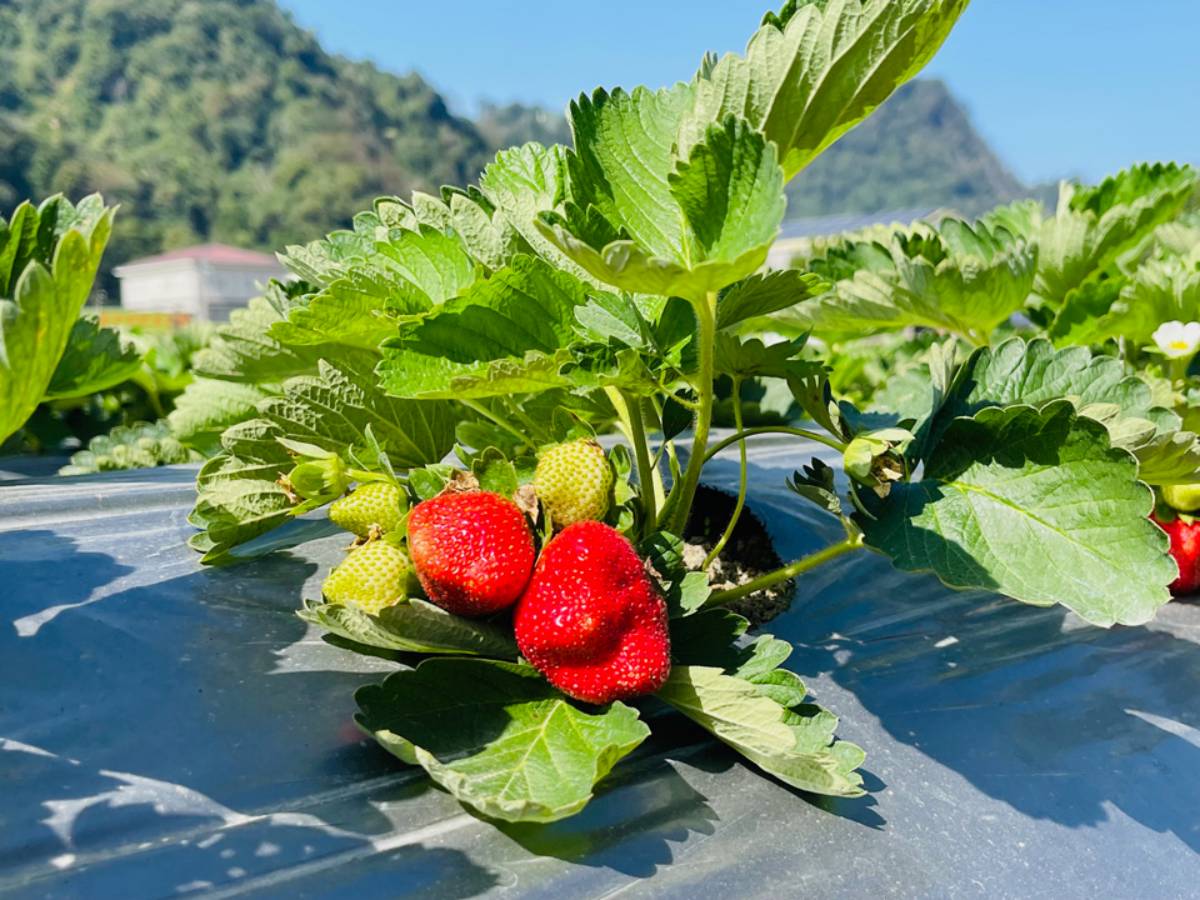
795, 744
505, 335
48, 259
242, 349
961, 278
498, 737
95, 360
1099, 386
763, 294
641, 216
735, 688
813, 73
1093, 226
413, 626
209, 406
521, 183
1161, 290
139, 446
239, 494
1034, 504
749, 358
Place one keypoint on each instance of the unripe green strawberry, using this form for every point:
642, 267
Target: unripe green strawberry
371, 577
574, 481
374, 503
1182, 497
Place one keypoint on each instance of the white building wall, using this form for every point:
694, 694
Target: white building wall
197, 288
169, 287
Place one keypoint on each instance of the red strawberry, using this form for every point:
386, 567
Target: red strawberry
1185, 548
472, 551
592, 621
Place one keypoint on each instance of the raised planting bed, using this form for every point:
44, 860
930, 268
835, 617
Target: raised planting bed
171, 728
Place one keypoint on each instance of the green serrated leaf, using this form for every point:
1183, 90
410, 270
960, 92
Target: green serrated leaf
48, 260
413, 626
508, 334
797, 745
208, 406
749, 358
243, 350
811, 74
239, 494
670, 226
498, 737
613, 317
138, 446
1099, 386
761, 295
1034, 504
522, 183
1094, 226
730, 189
956, 277
495, 473
95, 360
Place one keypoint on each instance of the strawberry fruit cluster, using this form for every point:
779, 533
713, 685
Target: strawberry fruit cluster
587, 615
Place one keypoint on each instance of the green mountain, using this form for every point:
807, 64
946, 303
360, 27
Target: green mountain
918, 149
224, 120
210, 119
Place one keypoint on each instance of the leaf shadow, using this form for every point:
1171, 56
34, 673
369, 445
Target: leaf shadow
182, 733
641, 809
1061, 721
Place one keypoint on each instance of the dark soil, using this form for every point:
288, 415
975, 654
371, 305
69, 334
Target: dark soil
748, 554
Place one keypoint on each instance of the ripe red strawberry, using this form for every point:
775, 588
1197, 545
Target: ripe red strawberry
592, 621
1185, 548
472, 551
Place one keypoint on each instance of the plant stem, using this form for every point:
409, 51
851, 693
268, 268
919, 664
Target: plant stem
630, 414
499, 421
660, 495
515, 409
741, 497
706, 318
791, 570
774, 429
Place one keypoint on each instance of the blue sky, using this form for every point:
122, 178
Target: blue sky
1058, 87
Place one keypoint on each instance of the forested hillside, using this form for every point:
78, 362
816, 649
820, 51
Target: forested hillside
223, 120
919, 149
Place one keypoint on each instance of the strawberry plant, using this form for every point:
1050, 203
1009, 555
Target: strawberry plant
49, 255
468, 351
1106, 293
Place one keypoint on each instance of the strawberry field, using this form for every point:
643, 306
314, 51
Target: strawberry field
556, 482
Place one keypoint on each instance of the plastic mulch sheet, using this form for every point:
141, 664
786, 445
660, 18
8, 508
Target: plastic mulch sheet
168, 730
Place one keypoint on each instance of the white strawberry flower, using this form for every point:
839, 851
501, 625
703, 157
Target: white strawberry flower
1177, 340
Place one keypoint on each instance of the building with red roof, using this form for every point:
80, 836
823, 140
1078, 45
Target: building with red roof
205, 282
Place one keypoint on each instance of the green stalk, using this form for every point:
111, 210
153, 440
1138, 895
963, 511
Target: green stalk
774, 429
515, 409
499, 421
741, 497
660, 494
706, 317
791, 570
630, 414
